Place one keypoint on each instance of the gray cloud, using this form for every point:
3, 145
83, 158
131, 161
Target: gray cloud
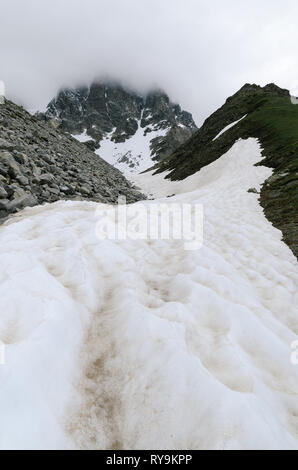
199, 51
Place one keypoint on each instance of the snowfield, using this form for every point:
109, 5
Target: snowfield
133, 155
84, 137
141, 344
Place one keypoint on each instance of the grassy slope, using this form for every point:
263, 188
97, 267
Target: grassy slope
273, 119
276, 126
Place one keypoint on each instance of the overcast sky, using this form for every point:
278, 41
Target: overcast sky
199, 51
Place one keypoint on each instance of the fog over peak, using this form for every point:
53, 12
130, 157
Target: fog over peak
199, 52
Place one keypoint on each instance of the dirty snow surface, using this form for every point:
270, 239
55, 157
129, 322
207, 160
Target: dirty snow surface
141, 344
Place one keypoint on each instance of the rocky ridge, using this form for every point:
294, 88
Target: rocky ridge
39, 163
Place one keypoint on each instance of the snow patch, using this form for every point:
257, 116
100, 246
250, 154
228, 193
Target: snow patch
228, 127
84, 137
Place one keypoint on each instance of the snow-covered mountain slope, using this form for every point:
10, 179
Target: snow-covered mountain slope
128, 130
39, 163
140, 344
268, 114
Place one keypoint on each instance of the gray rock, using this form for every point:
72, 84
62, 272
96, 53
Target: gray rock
86, 190
3, 179
253, 190
8, 165
53, 191
4, 204
47, 158
3, 171
9, 189
3, 193
273, 179
20, 158
17, 191
29, 135
67, 190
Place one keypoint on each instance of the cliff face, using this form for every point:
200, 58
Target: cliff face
39, 163
120, 125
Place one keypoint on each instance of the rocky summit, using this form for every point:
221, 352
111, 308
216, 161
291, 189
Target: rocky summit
39, 163
128, 130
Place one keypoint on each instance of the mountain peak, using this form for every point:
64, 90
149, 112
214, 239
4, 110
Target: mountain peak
125, 128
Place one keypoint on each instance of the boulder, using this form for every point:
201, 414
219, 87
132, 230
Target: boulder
46, 178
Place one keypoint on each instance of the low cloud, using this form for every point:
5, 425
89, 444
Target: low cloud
200, 52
